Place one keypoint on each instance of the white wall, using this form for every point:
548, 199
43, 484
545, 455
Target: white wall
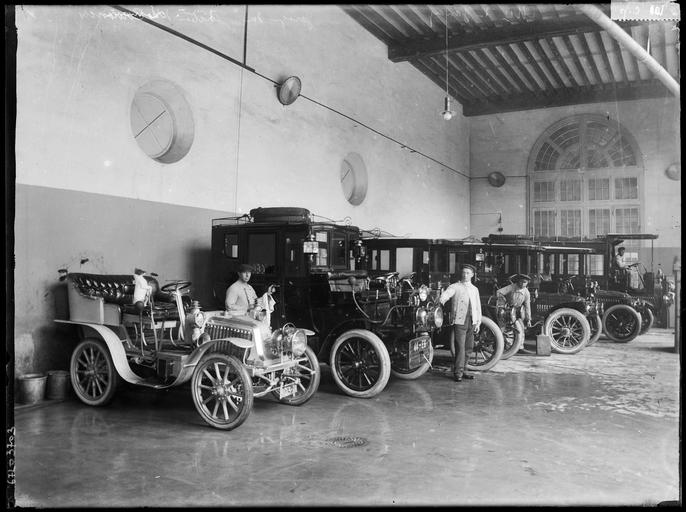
78, 68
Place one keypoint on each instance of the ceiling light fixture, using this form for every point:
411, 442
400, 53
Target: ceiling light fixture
447, 113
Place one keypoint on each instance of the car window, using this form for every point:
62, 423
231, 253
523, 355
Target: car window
403, 260
262, 251
293, 254
339, 252
231, 245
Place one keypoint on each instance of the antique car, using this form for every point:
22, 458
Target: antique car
365, 328
419, 260
633, 301
166, 340
565, 317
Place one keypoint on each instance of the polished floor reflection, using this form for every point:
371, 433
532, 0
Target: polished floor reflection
598, 427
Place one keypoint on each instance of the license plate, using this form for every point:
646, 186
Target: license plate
286, 391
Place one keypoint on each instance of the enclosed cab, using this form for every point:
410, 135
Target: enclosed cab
365, 327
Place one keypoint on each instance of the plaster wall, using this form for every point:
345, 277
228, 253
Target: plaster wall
502, 142
86, 190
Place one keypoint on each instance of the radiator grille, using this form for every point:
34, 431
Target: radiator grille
217, 331
226, 347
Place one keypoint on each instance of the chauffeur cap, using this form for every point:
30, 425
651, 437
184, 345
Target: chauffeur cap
467, 265
139, 272
244, 267
519, 277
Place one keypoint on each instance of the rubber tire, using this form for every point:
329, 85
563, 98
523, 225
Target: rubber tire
516, 346
313, 363
647, 319
595, 331
112, 376
576, 315
486, 323
415, 374
383, 357
636, 316
245, 382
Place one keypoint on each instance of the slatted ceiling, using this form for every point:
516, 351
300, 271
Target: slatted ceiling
516, 57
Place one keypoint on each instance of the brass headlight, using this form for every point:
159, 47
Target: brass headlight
437, 316
199, 319
298, 342
420, 315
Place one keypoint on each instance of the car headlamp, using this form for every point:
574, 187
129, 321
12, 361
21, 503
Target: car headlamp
420, 315
199, 319
437, 316
423, 294
298, 342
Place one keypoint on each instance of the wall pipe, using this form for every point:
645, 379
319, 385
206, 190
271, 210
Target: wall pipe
632, 46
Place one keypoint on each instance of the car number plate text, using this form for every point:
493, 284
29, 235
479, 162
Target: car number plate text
286, 391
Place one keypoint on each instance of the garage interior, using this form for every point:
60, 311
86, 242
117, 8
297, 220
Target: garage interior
428, 121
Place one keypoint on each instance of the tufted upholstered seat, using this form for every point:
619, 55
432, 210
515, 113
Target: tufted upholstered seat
101, 298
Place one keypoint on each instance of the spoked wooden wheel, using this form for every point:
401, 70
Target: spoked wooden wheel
305, 377
568, 329
488, 346
222, 391
513, 338
360, 364
92, 372
622, 323
596, 328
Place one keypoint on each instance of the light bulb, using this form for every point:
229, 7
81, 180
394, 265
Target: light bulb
447, 113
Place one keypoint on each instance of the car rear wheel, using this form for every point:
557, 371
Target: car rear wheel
222, 391
488, 346
305, 376
401, 373
360, 363
621, 323
93, 375
568, 329
596, 328
513, 339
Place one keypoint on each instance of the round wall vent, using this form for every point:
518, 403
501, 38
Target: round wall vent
289, 90
353, 177
673, 172
496, 179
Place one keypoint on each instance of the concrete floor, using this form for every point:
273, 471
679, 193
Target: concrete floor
599, 427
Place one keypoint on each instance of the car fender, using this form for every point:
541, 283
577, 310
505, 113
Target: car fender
116, 348
336, 331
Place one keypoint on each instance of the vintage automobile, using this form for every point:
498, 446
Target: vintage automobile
166, 340
365, 328
565, 317
632, 301
417, 260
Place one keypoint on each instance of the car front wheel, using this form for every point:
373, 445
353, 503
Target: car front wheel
647, 319
621, 323
304, 376
513, 338
360, 363
596, 324
427, 358
568, 329
222, 391
488, 346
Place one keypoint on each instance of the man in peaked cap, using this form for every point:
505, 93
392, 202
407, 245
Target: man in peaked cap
515, 295
466, 318
240, 296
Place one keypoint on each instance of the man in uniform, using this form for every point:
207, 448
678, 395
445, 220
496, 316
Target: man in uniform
466, 318
240, 296
515, 295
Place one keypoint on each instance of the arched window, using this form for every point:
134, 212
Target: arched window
585, 179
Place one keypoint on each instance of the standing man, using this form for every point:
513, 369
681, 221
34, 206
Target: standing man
466, 318
515, 295
240, 296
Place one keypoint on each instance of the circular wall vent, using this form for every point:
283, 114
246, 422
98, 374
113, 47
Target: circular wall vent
353, 177
162, 121
289, 90
496, 179
673, 172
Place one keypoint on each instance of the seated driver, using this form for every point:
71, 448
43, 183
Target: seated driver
240, 296
515, 295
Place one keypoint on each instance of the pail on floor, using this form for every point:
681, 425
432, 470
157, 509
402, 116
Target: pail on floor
31, 388
543, 343
59, 385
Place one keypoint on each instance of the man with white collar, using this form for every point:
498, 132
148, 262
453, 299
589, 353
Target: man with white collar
466, 318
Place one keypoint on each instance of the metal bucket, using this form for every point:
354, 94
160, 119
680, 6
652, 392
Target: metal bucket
59, 385
31, 388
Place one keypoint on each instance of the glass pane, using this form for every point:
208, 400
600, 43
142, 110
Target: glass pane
231, 246
570, 222
339, 255
626, 188
570, 190
598, 189
451, 263
627, 220
598, 221
544, 191
262, 250
403, 260
573, 264
385, 260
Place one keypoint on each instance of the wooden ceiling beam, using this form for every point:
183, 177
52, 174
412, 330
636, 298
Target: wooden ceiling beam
588, 94
402, 50
360, 18
430, 72
591, 61
603, 54
545, 61
538, 89
620, 58
473, 78
482, 73
577, 62
558, 57
495, 70
539, 70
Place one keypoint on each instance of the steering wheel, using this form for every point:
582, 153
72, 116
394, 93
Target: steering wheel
176, 286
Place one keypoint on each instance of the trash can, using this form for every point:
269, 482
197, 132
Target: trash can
59, 385
31, 388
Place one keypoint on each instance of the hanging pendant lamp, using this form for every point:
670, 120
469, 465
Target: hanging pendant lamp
447, 113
